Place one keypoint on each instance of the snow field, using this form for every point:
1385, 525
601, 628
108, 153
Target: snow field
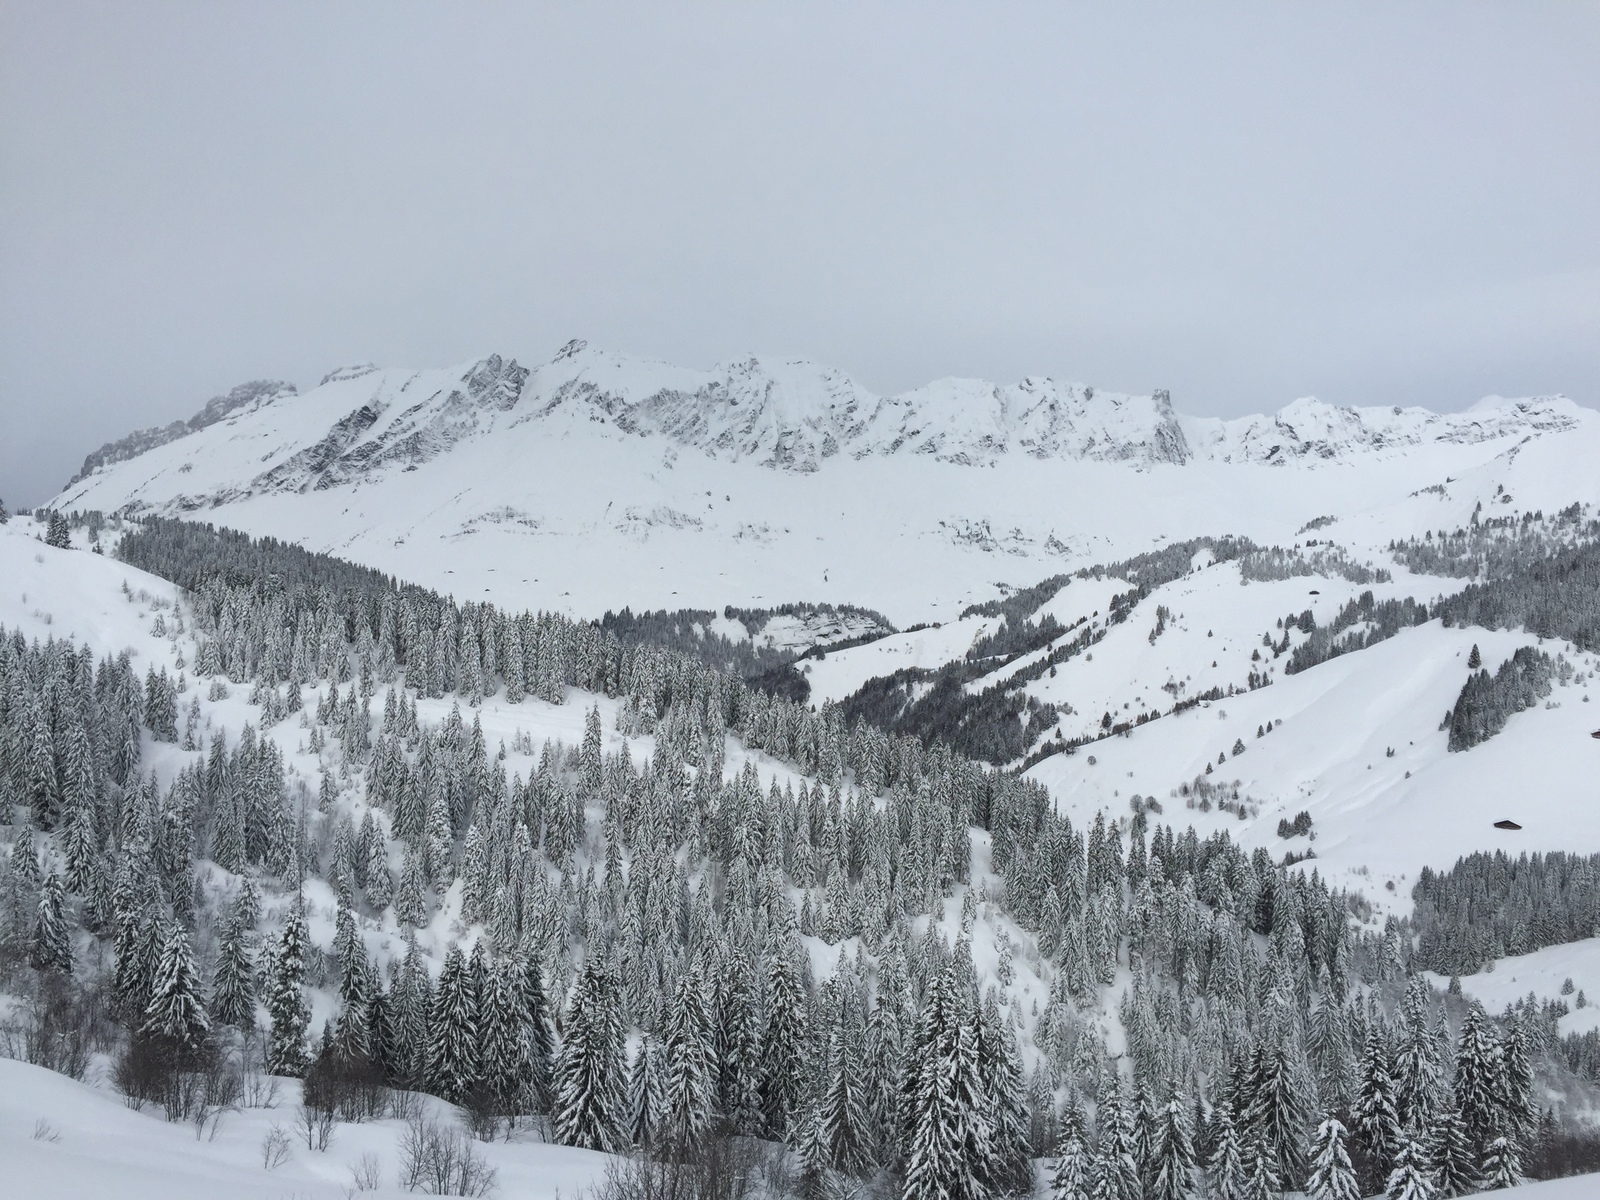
1543, 973
65, 1140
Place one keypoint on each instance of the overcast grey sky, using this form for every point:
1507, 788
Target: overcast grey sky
1371, 204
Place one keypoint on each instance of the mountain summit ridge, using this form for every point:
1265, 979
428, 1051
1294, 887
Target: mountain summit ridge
796, 415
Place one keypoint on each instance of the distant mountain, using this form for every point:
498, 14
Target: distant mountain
595, 479
795, 416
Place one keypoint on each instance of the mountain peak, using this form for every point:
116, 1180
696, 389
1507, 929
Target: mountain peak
792, 416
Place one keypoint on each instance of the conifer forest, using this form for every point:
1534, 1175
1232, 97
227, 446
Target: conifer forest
740, 942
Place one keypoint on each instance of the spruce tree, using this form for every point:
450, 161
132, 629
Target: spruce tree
1173, 1168
379, 887
1070, 1176
840, 1118
1520, 1113
739, 1050
1501, 1166
1416, 1073
646, 1095
1480, 1080
175, 1011
1328, 1047
410, 903
1226, 1168
781, 1046
1000, 1073
590, 1068
504, 1054
690, 1065
1332, 1175
233, 984
1409, 1180
139, 944
286, 1003
1279, 1103
811, 1148
353, 1034
948, 1142
1450, 1156
51, 946
57, 532
1261, 1173
1120, 1176
412, 999
537, 1037
453, 1031
1373, 1117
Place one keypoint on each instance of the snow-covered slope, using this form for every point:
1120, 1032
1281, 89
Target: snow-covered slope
65, 1140
596, 481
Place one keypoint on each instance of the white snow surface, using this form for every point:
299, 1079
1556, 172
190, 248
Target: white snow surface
1543, 974
65, 1140
597, 480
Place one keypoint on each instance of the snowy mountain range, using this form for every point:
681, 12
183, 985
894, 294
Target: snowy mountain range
764, 482
794, 416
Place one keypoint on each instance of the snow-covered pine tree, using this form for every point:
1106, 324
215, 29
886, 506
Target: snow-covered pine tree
138, 951
885, 1061
947, 1146
1373, 1118
690, 1061
1173, 1166
1261, 1171
1521, 1115
453, 1030
811, 1148
1328, 1048
1416, 1071
1501, 1166
1116, 1152
1332, 1177
1409, 1180
233, 983
1226, 1168
286, 1003
175, 1011
839, 1120
410, 902
646, 1095
1070, 1176
537, 1038
1451, 1160
739, 1048
50, 949
1280, 1095
590, 1069
1000, 1073
353, 1034
412, 999
590, 770
503, 1051
1480, 1079
781, 1045
380, 887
